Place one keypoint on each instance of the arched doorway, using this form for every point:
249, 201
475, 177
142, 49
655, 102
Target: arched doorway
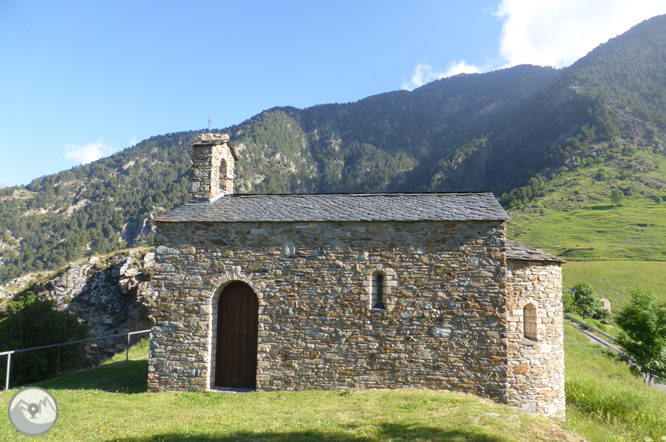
236, 353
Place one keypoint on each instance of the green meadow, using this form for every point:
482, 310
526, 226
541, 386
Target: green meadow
616, 279
634, 231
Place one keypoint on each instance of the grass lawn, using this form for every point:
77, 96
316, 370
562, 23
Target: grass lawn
110, 404
604, 403
107, 414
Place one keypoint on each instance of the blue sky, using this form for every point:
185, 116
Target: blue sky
81, 80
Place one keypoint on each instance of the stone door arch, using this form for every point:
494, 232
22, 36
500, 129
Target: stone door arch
237, 327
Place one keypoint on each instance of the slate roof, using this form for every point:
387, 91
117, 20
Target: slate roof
520, 252
453, 206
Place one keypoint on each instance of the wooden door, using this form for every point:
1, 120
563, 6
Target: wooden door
237, 320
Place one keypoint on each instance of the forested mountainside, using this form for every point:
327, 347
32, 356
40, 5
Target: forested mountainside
508, 131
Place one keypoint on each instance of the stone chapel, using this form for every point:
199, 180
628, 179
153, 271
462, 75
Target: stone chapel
351, 291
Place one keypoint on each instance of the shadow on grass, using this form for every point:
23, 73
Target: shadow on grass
393, 432
608, 207
118, 377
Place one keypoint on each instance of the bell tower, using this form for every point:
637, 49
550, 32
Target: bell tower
212, 171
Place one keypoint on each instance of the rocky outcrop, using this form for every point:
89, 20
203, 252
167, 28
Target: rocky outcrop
111, 294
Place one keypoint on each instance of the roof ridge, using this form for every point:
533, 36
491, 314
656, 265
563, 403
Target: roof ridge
237, 195
431, 206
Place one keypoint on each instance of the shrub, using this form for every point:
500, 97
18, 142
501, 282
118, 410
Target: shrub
30, 321
601, 314
616, 197
568, 302
586, 300
643, 338
148, 273
601, 175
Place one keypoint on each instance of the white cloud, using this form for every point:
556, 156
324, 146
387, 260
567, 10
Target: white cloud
88, 153
133, 141
559, 32
425, 74
422, 74
461, 68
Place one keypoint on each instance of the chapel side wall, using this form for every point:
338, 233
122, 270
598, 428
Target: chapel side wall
536, 368
444, 326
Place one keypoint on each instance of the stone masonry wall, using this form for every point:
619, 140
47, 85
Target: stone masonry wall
536, 368
443, 327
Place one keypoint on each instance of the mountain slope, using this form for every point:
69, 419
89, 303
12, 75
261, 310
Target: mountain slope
575, 218
508, 131
616, 91
628, 71
105, 205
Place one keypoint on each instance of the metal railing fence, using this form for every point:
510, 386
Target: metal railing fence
97, 339
591, 328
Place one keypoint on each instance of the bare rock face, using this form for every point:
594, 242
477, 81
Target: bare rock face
112, 295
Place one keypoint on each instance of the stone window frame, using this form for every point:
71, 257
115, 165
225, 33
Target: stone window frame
377, 291
223, 173
389, 283
530, 323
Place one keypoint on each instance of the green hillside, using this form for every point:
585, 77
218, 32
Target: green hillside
574, 217
605, 402
615, 248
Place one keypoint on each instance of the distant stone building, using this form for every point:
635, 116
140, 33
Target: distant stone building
291, 292
606, 304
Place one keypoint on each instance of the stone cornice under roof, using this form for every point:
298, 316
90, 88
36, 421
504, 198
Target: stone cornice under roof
519, 252
210, 143
450, 206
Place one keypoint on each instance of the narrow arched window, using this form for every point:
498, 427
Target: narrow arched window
224, 171
530, 322
378, 291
